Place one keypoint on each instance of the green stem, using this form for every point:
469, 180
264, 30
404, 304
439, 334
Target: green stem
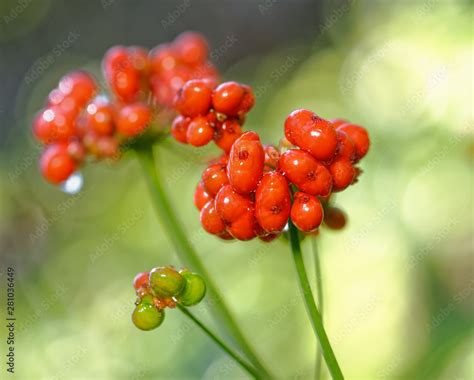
319, 292
311, 308
220, 342
186, 252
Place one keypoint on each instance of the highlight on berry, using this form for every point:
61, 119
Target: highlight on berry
161, 288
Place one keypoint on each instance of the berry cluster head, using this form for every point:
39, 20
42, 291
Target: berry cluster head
207, 112
77, 122
256, 189
164, 287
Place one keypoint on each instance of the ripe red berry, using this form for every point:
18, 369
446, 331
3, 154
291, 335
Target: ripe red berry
199, 131
214, 177
140, 280
210, 219
272, 202
335, 218
162, 58
230, 205
56, 164
337, 122
343, 173
100, 117
345, 146
359, 136
179, 128
201, 196
119, 72
51, 125
306, 212
226, 134
78, 85
311, 133
194, 98
191, 48
230, 98
305, 172
107, 147
244, 227
133, 119
246, 161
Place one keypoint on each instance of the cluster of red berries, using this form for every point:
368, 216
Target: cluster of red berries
77, 121
164, 287
256, 189
210, 113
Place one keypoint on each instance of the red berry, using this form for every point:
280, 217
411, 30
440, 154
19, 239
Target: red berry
311, 133
335, 218
76, 150
226, 134
163, 58
201, 196
51, 125
214, 177
191, 48
100, 117
140, 280
227, 98
194, 98
272, 202
305, 172
246, 161
119, 72
343, 174
306, 212
139, 59
248, 101
133, 119
180, 128
107, 147
231, 205
199, 131
359, 136
56, 164
244, 227
345, 146
210, 219
79, 85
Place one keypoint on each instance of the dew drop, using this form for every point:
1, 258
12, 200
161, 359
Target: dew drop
73, 184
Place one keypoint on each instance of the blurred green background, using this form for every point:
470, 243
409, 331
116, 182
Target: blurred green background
398, 281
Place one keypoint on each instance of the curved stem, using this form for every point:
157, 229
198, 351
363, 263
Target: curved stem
187, 254
219, 342
311, 308
319, 292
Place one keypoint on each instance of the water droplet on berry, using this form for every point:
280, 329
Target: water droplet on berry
73, 184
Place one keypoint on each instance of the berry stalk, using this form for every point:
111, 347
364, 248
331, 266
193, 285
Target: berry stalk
312, 310
319, 293
186, 251
220, 342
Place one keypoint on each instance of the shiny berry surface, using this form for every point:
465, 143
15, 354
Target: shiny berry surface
226, 133
201, 196
343, 173
306, 212
214, 177
140, 280
272, 202
56, 163
199, 131
246, 161
227, 98
165, 281
245, 226
359, 136
308, 174
147, 317
179, 128
194, 98
210, 220
231, 205
100, 116
133, 119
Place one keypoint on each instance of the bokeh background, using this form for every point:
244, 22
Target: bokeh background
398, 281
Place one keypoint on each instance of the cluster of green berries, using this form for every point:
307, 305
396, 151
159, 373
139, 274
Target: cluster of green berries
164, 287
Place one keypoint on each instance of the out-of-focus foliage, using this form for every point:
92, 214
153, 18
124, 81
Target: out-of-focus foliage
398, 281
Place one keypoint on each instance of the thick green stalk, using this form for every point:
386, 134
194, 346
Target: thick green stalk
319, 292
220, 342
311, 308
186, 252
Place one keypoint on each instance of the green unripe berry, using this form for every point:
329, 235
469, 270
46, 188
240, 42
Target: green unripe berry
194, 289
166, 282
147, 317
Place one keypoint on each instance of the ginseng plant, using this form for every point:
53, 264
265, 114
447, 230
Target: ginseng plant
249, 191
